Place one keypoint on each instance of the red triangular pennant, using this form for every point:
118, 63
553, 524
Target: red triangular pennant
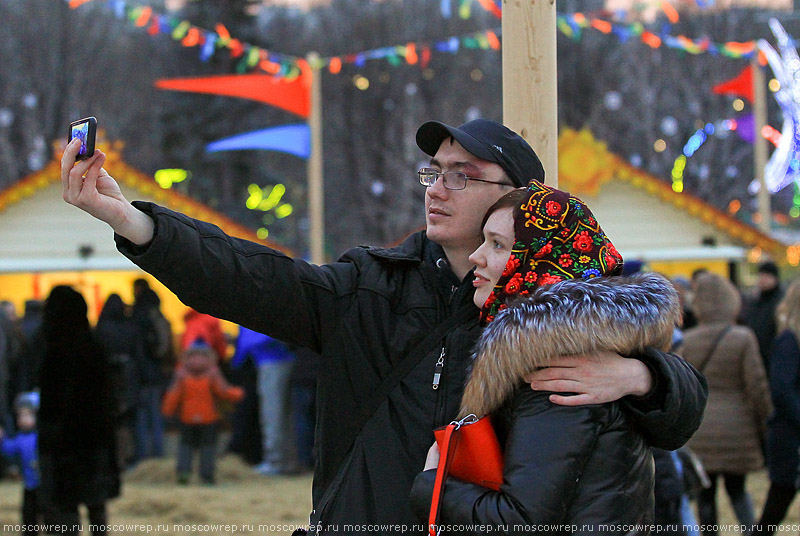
293, 96
740, 86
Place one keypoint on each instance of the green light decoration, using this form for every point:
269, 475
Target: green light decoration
264, 199
167, 177
677, 174
283, 210
268, 200
794, 212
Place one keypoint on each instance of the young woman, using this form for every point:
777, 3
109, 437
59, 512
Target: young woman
567, 469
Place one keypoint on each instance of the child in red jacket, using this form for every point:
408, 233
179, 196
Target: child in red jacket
193, 395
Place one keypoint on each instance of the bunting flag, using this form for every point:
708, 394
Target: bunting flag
572, 26
252, 58
740, 86
291, 95
745, 127
292, 139
495, 8
670, 12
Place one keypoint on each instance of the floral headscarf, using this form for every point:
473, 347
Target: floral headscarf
556, 238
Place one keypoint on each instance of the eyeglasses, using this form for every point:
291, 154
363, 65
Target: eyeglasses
452, 180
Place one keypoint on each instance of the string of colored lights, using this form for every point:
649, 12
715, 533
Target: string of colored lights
279, 64
572, 25
700, 136
252, 57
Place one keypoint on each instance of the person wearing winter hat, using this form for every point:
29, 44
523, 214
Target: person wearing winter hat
22, 447
394, 327
197, 387
544, 284
758, 312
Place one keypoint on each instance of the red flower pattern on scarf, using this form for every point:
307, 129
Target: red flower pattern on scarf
583, 242
514, 285
511, 266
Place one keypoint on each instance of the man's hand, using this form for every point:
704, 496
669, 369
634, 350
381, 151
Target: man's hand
597, 378
90, 188
432, 461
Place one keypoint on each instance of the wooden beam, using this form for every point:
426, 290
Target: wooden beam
530, 99
316, 210
760, 145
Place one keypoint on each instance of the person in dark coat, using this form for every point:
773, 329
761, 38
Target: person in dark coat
783, 427
77, 448
31, 354
304, 392
153, 369
395, 326
246, 440
578, 470
123, 346
759, 311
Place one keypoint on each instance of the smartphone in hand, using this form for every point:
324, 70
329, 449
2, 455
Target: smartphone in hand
86, 130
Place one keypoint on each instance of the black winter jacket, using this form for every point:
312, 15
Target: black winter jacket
568, 470
365, 315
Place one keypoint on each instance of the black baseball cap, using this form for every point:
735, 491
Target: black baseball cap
490, 141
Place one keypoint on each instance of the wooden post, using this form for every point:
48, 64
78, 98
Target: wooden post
530, 98
316, 211
760, 145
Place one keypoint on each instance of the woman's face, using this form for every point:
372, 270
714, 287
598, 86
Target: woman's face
491, 257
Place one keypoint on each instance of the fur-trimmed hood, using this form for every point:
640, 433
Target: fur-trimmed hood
573, 317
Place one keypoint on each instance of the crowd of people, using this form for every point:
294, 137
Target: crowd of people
82, 404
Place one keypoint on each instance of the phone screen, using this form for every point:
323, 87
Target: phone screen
84, 130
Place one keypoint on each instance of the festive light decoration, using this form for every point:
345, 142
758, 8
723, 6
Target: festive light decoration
268, 199
691, 146
278, 64
495, 8
281, 65
783, 166
572, 25
167, 177
794, 212
264, 199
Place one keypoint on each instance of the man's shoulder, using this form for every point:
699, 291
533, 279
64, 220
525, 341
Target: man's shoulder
410, 250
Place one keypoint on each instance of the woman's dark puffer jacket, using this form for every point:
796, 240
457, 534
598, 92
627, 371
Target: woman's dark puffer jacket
568, 470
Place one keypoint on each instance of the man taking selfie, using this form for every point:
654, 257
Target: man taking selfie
395, 327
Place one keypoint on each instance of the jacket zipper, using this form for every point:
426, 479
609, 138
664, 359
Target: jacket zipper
437, 371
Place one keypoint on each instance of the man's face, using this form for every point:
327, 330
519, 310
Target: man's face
453, 217
766, 281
